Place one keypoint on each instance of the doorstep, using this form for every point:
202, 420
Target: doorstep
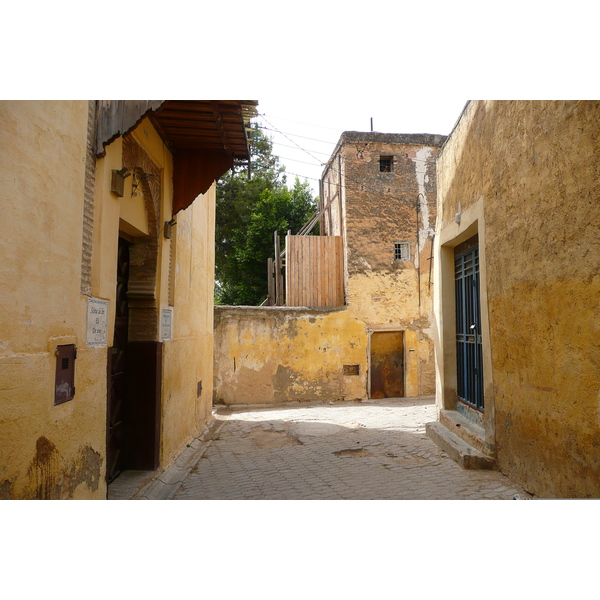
463, 440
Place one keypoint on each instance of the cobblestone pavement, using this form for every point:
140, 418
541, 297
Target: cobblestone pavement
353, 450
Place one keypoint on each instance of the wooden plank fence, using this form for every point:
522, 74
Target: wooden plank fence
314, 270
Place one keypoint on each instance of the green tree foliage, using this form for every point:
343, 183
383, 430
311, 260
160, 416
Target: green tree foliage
251, 206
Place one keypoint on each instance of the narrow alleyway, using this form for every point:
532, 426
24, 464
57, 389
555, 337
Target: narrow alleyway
351, 450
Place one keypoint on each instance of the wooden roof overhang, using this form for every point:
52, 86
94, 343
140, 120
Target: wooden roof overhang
204, 136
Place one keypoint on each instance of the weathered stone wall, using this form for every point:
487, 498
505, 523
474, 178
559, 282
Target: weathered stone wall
273, 355
387, 207
529, 172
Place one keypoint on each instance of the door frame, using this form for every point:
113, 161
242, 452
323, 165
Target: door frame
469, 358
471, 223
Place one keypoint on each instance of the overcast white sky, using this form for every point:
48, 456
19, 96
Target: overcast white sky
317, 68
304, 134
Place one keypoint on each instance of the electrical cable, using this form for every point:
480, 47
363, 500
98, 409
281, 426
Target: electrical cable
293, 142
286, 134
295, 147
299, 123
358, 183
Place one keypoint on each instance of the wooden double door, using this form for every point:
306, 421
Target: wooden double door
117, 371
134, 388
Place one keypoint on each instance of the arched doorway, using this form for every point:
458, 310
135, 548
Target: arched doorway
135, 359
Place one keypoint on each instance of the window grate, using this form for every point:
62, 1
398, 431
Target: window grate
386, 164
402, 251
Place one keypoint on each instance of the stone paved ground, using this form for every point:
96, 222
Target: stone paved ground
356, 450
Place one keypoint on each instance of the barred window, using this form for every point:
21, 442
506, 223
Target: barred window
386, 164
402, 251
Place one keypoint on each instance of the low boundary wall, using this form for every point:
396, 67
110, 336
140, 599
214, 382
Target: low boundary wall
273, 354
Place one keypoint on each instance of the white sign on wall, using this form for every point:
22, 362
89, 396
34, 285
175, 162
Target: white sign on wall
97, 323
166, 324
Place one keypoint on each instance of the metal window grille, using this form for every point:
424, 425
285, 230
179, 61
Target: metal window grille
402, 251
386, 164
468, 331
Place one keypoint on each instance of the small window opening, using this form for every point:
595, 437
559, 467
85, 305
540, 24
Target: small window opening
64, 384
386, 164
351, 369
402, 251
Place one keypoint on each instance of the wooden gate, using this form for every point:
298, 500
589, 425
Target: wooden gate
314, 267
469, 357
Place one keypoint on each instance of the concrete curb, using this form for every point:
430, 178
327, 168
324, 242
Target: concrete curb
167, 483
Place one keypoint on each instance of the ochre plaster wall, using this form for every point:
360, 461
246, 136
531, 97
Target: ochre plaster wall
52, 452
188, 357
534, 169
46, 451
272, 355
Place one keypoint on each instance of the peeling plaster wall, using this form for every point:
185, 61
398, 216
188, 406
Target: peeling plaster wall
382, 209
526, 175
272, 355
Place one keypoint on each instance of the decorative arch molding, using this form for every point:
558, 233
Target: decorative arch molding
141, 294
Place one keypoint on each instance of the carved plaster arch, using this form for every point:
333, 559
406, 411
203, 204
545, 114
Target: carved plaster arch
144, 251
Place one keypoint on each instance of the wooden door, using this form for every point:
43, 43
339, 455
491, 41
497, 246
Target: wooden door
387, 364
117, 365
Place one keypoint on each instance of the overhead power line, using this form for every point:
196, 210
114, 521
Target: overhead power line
354, 184
273, 128
322, 164
295, 147
299, 123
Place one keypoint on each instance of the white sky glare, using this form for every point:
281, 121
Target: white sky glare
305, 134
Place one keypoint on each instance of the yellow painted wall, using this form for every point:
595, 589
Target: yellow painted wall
49, 451
270, 355
188, 357
389, 302
46, 451
528, 172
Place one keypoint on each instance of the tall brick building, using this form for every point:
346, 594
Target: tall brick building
378, 192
